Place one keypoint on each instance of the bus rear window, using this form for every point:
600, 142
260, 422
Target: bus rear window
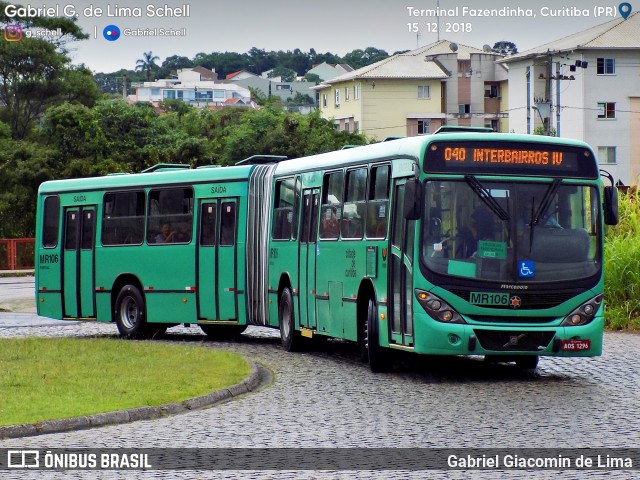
51, 222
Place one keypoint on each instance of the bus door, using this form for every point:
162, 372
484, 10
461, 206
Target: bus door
401, 271
217, 260
78, 282
307, 257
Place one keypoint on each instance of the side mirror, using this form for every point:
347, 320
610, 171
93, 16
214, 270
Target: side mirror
412, 199
610, 205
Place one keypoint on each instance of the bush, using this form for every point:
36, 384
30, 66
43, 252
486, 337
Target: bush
622, 266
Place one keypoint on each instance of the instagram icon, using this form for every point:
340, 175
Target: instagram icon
13, 33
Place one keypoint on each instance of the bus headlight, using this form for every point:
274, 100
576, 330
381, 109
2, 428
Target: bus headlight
584, 313
437, 308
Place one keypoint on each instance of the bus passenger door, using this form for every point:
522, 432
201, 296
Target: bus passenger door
78, 281
207, 271
217, 260
401, 271
307, 257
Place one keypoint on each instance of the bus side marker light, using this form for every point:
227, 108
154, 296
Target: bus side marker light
41, 300
184, 300
382, 316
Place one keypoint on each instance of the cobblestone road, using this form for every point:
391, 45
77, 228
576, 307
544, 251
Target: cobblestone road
329, 399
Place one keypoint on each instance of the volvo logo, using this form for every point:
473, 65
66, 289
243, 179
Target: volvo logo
515, 302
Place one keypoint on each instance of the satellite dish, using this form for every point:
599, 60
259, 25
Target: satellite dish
487, 48
453, 47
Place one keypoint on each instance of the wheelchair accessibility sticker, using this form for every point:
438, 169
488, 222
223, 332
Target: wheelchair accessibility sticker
526, 269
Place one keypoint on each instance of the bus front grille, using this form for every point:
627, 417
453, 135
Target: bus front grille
516, 340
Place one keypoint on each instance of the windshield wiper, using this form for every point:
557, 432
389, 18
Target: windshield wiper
537, 214
546, 201
486, 197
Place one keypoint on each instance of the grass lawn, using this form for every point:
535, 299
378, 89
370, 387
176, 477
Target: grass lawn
46, 378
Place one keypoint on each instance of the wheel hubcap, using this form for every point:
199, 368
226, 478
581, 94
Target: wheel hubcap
129, 313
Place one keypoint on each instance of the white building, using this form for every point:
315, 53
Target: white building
584, 86
195, 88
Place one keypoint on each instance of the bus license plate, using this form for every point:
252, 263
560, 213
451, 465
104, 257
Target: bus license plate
576, 345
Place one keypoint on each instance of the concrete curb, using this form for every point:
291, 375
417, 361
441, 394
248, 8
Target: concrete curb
259, 376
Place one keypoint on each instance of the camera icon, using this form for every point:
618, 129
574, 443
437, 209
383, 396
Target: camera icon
13, 33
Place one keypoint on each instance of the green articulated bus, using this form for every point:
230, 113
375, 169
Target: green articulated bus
458, 243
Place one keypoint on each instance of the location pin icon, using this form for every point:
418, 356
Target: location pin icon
625, 10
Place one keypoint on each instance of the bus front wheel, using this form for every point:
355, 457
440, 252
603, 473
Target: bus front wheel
130, 313
291, 340
375, 353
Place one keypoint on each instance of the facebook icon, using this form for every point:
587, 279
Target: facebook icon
526, 269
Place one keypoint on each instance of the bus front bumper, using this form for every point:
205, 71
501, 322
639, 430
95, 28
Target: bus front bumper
437, 338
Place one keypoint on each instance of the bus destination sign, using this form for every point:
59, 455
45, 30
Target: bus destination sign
508, 158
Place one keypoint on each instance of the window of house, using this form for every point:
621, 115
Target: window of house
607, 154
283, 87
324, 99
491, 91
606, 66
423, 127
424, 92
123, 218
218, 94
337, 97
170, 216
169, 94
331, 209
464, 108
356, 92
606, 110
346, 125
346, 94
155, 92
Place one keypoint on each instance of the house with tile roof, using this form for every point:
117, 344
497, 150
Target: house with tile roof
196, 87
326, 70
416, 92
584, 86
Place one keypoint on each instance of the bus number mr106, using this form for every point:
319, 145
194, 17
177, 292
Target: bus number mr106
455, 154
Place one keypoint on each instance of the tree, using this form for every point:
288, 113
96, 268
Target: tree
30, 80
505, 47
147, 64
361, 58
286, 74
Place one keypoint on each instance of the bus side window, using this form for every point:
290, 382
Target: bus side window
170, 217
378, 202
123, 218
228, 224
355, 204
331, 210
283, 209
51, 222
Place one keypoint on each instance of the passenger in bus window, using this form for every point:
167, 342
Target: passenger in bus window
330, 224
166, 235
481, 227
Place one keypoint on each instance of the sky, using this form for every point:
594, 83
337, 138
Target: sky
336, 26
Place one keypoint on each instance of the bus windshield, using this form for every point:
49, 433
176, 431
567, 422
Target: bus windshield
508, 231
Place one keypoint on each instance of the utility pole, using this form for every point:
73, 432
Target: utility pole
124, 86
557, 99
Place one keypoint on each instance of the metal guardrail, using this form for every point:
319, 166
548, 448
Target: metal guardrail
17, 253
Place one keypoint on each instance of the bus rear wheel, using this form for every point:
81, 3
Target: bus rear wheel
130, 313
290, 338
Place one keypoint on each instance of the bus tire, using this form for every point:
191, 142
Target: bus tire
222, 332
527, 362
375, 353
130, 313
290, 338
